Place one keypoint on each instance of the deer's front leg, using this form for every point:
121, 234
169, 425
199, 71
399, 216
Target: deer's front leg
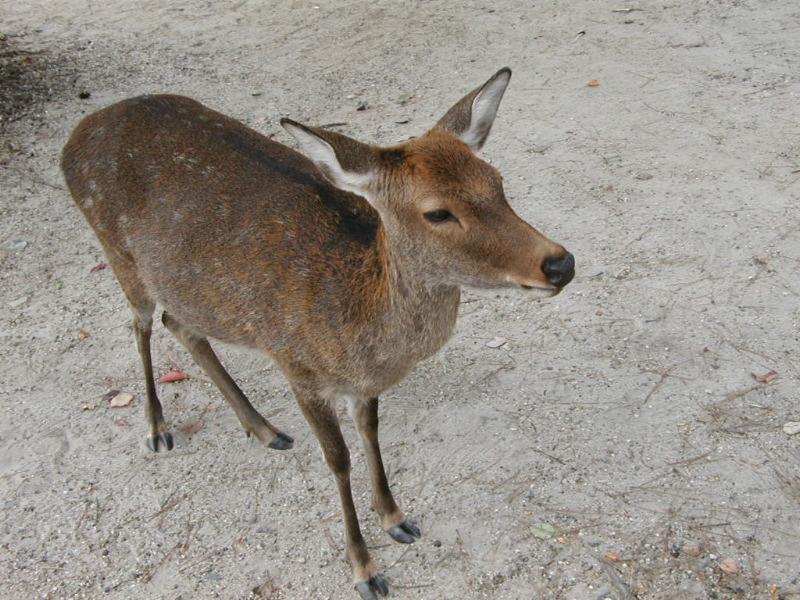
393, 520
325, 423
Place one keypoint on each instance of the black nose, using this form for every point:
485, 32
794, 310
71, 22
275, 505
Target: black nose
559, 270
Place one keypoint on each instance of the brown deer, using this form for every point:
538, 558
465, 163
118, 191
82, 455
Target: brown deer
344, 265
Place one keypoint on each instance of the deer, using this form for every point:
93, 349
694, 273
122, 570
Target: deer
343, 262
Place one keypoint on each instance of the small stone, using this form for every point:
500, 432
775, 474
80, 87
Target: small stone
16, 245
84, 95
543, 531
18, 302
791, 427
691, 549
437, 543
265, 529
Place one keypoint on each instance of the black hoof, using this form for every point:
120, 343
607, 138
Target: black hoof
281, 442
405, 533
367, 589
162, 441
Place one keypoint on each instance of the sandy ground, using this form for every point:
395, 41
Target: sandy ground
622, 414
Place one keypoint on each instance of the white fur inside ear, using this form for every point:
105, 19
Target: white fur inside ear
484, 110
323, 155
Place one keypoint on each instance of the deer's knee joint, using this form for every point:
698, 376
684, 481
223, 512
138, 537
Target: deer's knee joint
142, 322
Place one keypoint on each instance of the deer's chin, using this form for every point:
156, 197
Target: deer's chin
529, 290
532, 287
539, 292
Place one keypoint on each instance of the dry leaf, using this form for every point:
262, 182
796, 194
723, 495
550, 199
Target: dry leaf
83, 334
121, 423
497, 342
98, 267
561, 540
191, 426
729, 566
594, 83
766, 377
173, 376
612, 556
764, 262
120, 400
774, 592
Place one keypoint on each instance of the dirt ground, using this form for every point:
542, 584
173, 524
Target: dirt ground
617, 447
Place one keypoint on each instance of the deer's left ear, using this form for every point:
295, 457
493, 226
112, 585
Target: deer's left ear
471, 118
345, 162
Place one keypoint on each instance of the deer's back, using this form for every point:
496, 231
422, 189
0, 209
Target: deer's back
238, 236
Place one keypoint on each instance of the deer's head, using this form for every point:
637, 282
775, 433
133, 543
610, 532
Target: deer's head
443, 207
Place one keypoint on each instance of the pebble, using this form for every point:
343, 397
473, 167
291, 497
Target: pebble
691, 549
265, 529
20, 301
791, 427
16, 245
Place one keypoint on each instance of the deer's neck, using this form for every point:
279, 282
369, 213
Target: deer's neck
419, 315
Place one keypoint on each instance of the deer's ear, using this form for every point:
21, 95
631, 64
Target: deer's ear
471, 118
345, 162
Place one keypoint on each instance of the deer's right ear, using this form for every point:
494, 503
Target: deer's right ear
345, 162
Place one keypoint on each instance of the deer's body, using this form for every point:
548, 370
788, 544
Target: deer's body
242, 240
345, 267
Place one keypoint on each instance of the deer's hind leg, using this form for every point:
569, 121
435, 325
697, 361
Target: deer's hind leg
142, 306
159, 438
251, 420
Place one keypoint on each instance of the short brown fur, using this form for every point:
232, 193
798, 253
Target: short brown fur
244, 240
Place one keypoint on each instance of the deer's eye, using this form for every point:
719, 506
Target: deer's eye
439, 216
